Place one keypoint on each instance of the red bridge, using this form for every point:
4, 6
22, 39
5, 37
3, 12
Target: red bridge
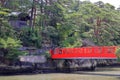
96, 52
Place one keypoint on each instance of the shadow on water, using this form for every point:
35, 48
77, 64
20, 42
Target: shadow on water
118, 78
32, 72
98, 74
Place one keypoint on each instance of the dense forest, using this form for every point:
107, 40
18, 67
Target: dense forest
62, 23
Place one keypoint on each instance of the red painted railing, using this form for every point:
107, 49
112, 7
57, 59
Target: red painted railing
102, 52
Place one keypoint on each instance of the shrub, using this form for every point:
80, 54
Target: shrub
118, 52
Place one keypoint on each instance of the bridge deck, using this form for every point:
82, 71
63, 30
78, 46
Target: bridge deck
104, 52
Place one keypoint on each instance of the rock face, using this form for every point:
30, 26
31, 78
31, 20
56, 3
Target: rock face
18, 23
12, 70
87, 42
33, 59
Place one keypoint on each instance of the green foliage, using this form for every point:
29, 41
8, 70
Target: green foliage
13, 17
9, 48
97, 22
4, 12
71, 42
5, 29
103, 13
9, 43
118, 52
52, 33
14, 53
65, 23
47, 54
69, 37
30, 37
